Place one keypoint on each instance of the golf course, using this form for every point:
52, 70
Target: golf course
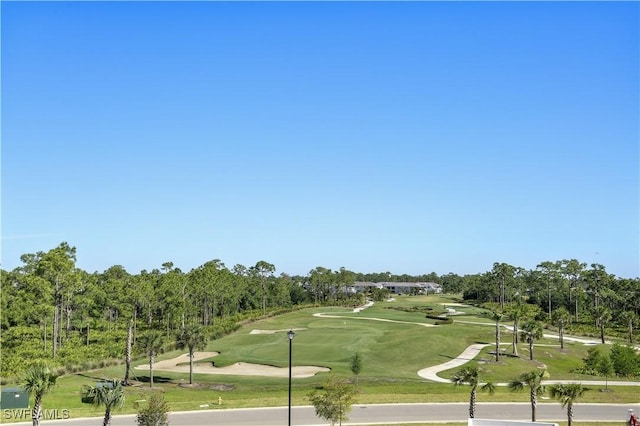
249, 368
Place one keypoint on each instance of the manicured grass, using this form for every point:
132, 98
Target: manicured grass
437, 303
392, 354
389, 349
559, 363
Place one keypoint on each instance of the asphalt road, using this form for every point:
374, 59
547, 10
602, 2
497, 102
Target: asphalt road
375, 414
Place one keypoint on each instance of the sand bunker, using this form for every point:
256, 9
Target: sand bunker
247, 369
237, 369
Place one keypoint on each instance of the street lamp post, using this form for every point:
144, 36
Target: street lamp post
290, 334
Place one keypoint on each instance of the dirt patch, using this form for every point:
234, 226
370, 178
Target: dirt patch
274, 331
192, 386
222, 387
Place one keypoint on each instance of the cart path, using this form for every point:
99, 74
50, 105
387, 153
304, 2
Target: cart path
323, 315
431, 373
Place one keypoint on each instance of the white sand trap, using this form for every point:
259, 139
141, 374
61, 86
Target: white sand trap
237, 369
246, 369
172, 364
256, 331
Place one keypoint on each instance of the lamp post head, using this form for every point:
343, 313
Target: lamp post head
290, 333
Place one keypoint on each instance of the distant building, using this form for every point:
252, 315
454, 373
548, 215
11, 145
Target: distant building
399, 287
432, 288
361, 286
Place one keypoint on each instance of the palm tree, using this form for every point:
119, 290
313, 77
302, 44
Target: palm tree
567, 394
470, 376
110, 394
516, 312
531, 331
533, 379
497, 316
38, 380
151, 343
561, 316
191, 337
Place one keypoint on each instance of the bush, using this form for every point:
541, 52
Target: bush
626, 362
439, 317
155, 413
591, 361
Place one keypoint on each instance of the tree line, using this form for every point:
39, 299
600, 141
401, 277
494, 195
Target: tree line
54, 311
567, 292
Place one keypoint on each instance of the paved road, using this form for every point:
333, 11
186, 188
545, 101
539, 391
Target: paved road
376, 414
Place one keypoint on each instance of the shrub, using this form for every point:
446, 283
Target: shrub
155, 413
626, 362
591, 360
438, 317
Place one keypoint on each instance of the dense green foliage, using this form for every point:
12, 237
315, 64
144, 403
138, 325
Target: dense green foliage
625, 360
598, 303
621, 360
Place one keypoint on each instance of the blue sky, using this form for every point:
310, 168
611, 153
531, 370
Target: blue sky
406, 137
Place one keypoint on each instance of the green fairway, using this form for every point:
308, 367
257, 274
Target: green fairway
393, 351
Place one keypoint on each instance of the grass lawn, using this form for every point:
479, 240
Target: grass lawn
392, 353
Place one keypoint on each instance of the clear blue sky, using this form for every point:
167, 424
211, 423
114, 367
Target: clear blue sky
406, 137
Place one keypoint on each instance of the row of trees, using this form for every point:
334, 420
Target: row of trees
567, 394
53, 310
39, 379
571, 284
565, 294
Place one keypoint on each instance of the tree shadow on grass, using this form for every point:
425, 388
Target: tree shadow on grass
156, 379
99, 379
